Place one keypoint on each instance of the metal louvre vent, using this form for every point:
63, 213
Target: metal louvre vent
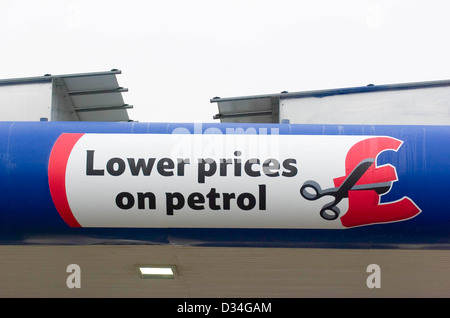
97, 96
93, 96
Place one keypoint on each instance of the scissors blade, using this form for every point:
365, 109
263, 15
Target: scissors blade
354, 177
379, 188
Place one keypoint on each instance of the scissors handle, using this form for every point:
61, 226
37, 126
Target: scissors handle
330, 212
311, 190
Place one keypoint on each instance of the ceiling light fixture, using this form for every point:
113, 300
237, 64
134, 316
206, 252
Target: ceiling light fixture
157, 271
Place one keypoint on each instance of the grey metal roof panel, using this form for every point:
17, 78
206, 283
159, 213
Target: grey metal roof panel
49, 77
262, 108
95, 96
259, 110
338, 91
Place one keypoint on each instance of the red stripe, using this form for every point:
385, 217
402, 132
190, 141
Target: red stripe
57, 175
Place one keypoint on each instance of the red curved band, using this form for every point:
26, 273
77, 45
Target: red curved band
57, 165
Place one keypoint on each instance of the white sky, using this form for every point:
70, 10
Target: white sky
176, 55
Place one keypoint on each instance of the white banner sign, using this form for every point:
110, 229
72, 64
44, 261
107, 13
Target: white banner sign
219, 181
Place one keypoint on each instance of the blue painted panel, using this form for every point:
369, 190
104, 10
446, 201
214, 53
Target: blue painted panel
28, 214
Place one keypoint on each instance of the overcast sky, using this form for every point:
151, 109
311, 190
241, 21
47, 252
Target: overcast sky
176, 55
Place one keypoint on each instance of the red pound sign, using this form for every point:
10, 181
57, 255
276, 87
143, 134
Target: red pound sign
364, 205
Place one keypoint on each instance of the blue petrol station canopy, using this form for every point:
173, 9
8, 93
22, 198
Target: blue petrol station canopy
44, 185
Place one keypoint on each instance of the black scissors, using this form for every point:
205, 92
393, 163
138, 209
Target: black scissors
330, 211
